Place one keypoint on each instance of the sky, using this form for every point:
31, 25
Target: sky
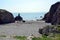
27, 5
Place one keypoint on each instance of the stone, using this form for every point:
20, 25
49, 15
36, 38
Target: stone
53, 16
23, 21
56, 17
47, 17
49, 29
18, 18
6, 17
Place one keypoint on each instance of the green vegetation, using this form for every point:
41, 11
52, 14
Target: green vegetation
2, 35
55, 36
58, 27
20, 37
36, 38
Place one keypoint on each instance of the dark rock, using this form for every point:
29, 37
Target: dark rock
49, 29
47, 17
45, 31
23, 21
53, 16
18, 18
6, 17
56, 17
40, 31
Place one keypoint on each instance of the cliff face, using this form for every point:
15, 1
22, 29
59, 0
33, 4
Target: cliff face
6, 17
53, 16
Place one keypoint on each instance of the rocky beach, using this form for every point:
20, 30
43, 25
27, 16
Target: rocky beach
22, 29
48, 27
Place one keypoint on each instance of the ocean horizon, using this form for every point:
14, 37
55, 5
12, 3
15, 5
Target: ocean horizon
30, 16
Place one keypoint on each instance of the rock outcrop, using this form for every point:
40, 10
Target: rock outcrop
6, 17
49, 29
53, 16
18, 18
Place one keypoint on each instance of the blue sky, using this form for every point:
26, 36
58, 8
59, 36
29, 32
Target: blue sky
27, 5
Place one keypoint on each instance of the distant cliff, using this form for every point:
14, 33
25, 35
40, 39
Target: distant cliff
53, 16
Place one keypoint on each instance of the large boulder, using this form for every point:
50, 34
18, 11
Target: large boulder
53, 16
6, 17
47, 30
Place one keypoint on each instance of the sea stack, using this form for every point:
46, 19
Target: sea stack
18, 18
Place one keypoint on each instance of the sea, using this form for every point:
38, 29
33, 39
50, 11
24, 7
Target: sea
30, 16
